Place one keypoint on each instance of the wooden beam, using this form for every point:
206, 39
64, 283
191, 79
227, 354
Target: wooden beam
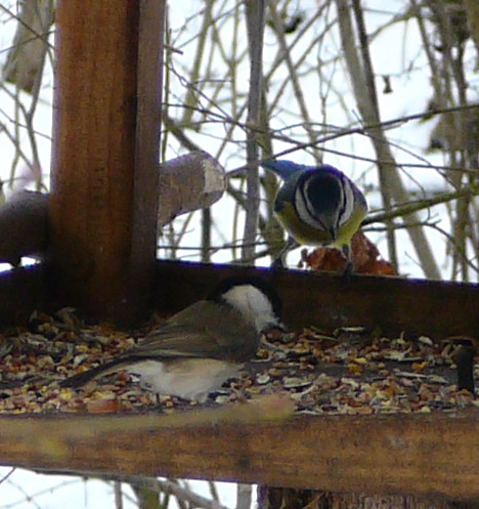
327, 300
141, 268
105, 154
435, 308
433, 455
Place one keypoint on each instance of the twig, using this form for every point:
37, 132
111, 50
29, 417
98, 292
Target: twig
366, 107
118, 494
255, 12
243, 496
7, 475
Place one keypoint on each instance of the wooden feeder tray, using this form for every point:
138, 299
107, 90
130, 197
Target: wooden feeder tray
418, 454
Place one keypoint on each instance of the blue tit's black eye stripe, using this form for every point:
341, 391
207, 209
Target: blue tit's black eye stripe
304, 203
343, 202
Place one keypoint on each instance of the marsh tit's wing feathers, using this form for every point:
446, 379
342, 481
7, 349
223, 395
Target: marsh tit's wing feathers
205, 329
85, 376
224, 330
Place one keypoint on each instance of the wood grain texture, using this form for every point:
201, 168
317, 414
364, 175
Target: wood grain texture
418, 307
290, 498
205, 178
433, 455
104, 170
327, 300
141, 269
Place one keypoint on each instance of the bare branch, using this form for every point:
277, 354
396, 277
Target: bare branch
255, 12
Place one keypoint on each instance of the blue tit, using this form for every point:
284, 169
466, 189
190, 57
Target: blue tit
317, 205
196, 350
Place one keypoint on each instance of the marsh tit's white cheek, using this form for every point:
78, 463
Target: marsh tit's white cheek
185, 378
253, 304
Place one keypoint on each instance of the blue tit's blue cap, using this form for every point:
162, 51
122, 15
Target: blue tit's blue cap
285, 169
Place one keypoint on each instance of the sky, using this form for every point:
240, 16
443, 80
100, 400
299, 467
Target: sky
28, 490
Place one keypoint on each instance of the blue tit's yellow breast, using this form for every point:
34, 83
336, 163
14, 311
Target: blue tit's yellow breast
299, 230
306, 234
351, 226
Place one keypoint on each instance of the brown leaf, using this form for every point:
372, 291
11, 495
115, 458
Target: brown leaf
102, 406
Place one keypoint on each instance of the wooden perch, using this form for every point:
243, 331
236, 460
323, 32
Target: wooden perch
23, 227
24, 218
190, 182
423, 455
393, 305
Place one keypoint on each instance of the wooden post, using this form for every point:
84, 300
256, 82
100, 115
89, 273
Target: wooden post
105, 153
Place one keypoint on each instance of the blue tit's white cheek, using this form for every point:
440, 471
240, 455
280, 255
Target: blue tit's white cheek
185, 378
348, 201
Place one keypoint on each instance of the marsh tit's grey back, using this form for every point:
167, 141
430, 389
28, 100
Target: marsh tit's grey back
196, 350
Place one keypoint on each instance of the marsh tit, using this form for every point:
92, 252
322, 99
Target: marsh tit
196, 350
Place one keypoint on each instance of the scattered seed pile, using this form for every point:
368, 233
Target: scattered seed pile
347, 371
